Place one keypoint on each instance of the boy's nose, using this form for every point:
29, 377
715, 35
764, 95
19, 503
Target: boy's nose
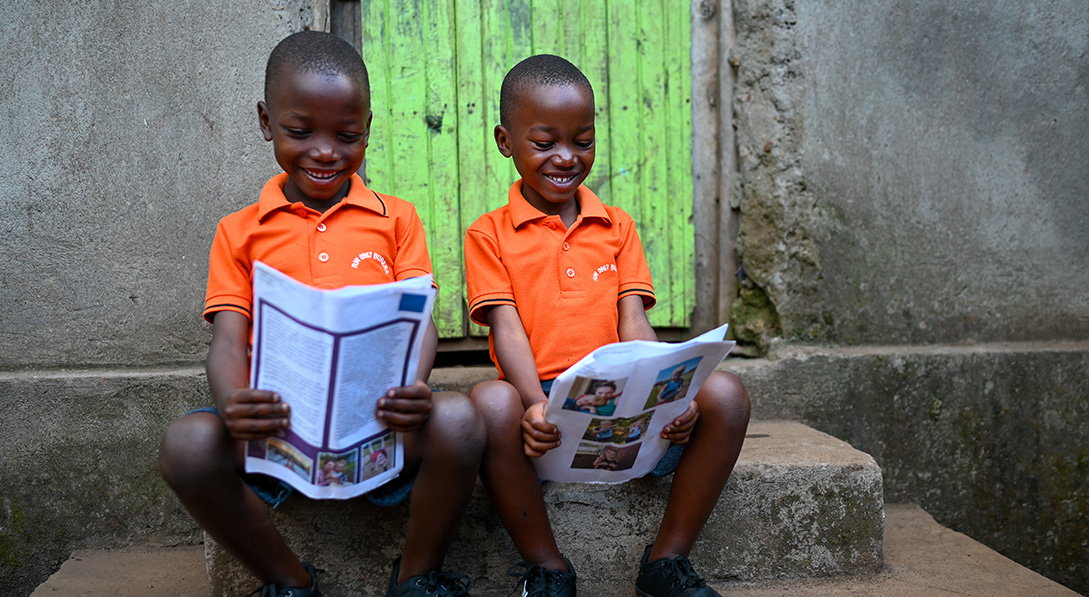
323, 152
564, 156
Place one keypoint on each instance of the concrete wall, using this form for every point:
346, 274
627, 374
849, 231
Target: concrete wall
915, 172
127, 129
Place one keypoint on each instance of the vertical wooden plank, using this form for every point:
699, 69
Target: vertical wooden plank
679, 68
375, 38
474, 127
592, 57
654, 196
439, 166
625, 82
506, 38
547, 28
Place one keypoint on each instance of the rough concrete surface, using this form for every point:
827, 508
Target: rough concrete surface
914, 172
129, 128
922, 559
991, 439
800, 503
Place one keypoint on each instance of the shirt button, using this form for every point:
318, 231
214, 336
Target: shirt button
323, 257
321, 227
570, 273
566, 247
551, 225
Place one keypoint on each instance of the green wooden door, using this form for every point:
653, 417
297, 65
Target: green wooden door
436, 67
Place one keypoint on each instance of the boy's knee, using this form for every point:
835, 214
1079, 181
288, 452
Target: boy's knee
457, 421
191, 445
498, 402
724, 396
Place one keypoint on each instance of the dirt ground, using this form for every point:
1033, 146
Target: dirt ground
922, 558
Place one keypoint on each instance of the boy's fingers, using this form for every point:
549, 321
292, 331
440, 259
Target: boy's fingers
541, 431
256, 428
535, 448
404, 405
401, 421
416, 391
248, 395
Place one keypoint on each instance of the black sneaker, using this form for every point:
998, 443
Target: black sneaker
432, 584
535, 581
670, 578
271, 590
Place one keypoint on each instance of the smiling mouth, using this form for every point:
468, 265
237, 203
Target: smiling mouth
560, 180
321, 175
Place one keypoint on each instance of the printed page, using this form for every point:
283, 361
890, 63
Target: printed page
331, 355
611, 406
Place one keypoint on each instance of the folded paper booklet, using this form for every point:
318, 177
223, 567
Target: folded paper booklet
611, 406
331, 354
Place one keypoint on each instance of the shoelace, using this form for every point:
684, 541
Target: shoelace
681, 571
537, 581
270, 589
444, 584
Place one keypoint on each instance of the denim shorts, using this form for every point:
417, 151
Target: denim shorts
274, 492
669, 461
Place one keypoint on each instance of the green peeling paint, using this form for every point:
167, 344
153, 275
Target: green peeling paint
436, 67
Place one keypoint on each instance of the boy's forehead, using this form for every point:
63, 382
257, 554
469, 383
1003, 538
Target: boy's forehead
304, 86
570, 100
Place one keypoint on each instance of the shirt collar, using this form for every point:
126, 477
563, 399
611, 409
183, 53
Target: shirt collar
272, 197
521, 211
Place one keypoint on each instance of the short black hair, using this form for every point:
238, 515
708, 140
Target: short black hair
534, 72
317, 52
611, 384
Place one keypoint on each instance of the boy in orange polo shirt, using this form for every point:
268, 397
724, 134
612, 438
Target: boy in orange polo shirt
318, 223
557, 274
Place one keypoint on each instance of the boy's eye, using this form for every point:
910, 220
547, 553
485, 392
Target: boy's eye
350, 137
543, 144
585, 144
297, 132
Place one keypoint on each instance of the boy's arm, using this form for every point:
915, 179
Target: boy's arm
427, 351
515, 357
633, 325
407, 408
247, 413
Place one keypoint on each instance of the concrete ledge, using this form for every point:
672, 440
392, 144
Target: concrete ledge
800, 503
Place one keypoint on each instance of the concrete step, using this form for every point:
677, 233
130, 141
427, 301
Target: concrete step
799, 504
922, 559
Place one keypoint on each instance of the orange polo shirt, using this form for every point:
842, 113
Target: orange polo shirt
366, 238
565, 282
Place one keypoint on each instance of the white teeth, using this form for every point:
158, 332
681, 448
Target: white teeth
560, 180
320, 176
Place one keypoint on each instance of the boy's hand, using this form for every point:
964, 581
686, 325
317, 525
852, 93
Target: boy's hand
679, 430
538, 435
406, 408
255, 414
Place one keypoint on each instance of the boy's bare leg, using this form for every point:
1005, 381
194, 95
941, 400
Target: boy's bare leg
203, 465
509, 476
448, 449
708, 460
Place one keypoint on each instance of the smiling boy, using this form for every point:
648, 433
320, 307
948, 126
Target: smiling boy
556, 274
315, 222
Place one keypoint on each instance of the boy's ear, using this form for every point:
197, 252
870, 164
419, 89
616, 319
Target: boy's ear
264, 120
502, 140
367, 135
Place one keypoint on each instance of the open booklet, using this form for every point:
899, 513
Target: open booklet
331, 354
611, 406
